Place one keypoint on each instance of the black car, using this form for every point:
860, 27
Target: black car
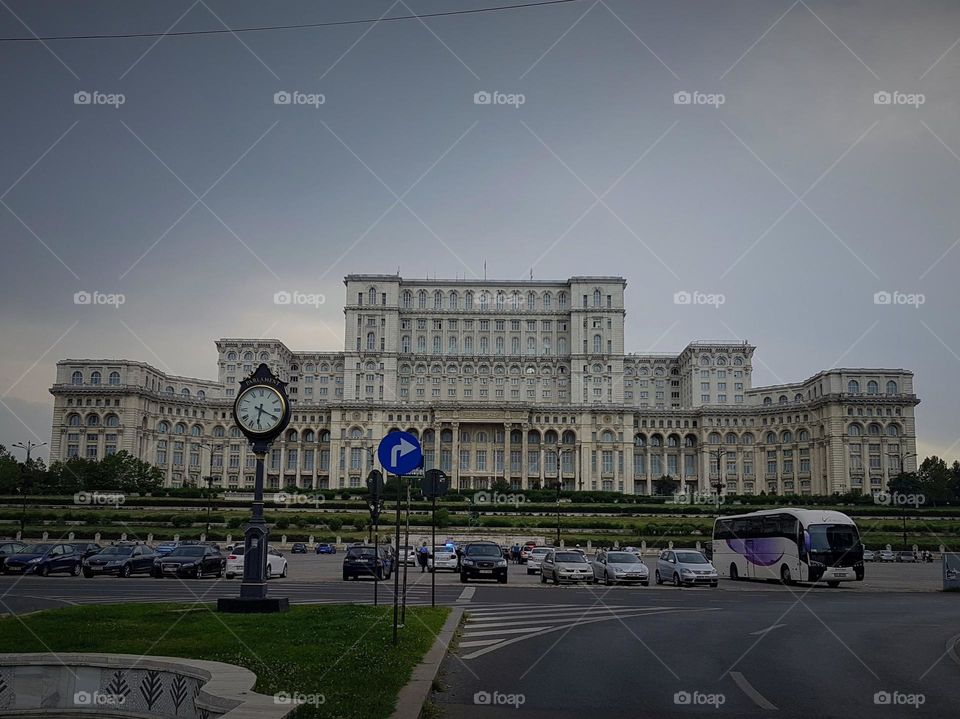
197, 561
483, 560
298, 548
120, 559
86, 549
10, 547
363, 560
43, 559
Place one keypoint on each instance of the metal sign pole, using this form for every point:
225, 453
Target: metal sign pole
406, 543
376, 558
396, 576
433, 550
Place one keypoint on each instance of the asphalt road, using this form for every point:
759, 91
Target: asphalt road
743, 649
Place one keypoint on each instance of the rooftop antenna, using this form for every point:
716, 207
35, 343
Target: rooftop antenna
531, 273
484, 270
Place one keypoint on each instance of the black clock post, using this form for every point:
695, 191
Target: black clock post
259, 389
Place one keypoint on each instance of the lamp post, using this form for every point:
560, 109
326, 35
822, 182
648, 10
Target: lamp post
718, 485
903, 505
26, 481
209, 479
560, 452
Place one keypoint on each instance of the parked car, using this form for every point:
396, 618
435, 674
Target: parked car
906, 556
196, 561
8, 548
443, 558
44, 559
564, 565
611, 567
276, 563
685, 567
325, 548
120, 559
887, 555
409, 555
869, 555
483, 560
525, 551
535, 557
86, 549
298, 548
165, 548
364, 560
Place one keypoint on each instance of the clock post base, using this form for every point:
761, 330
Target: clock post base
250, 605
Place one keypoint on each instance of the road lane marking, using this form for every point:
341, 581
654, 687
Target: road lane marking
522, 630
467, 594
768, 629
755, 696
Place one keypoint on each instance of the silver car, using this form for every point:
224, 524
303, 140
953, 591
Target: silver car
685, 567
535, 557
614, 567
565, 565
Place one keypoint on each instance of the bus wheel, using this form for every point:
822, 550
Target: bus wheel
785, 577
833, 585
734, 574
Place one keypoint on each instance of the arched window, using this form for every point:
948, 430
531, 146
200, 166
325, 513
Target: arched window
747, 438
180, 428
468, 301
803, 436
219, 431
446, 435
185, 392
597, 344
639, 441
607, 436
231, 356
248, 357
163, 428
371, 341
531, 345
673, 440
891, 387
201, 394
547, 301
196, 430
309, 435
372, 296
454, 300
546, 346
853, 387
112, 420
422, 299
873, 387
468, 345
569, 437
714, 438
514, 345
325, 436
264, 356
690, 441
771, 438
73, 420
95, 378
428, 436
782, 399
465, 437
76, 378
421, 344
656, 440
484, 300
854, 430
356, 433
874, 429
550, 437
731, 438
893, 430
596, 298
437, 300
234, 432
292, 435
531, 300
704, 361
93, 420
114, 378
562, 300
407, 299
500, 300
533, 437
767, 400
499, 345
405, 343
481, 437
452, 345
561, 345
786, 437
798, 397
436, 345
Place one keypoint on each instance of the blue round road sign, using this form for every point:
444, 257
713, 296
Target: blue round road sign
400, 453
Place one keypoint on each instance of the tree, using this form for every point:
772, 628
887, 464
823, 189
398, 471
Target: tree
935, 480
501, 486
666, 485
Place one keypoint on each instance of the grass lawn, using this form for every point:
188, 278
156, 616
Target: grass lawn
343, 652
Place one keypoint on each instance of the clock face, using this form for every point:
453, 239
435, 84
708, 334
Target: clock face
260, 409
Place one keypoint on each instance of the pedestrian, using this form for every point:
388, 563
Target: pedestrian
515, 553
423, 554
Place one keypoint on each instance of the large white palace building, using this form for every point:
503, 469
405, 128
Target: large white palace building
501, 380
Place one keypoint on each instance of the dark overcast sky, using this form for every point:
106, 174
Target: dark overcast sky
798, 198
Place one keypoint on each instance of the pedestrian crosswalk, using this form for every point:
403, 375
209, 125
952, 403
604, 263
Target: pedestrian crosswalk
488, 628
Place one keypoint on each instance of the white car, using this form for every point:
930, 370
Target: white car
409, 555
444, 557
276, 563
534, 558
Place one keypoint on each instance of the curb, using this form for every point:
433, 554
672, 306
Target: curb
411, 698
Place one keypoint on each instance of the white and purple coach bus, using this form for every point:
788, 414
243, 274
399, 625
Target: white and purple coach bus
789, 545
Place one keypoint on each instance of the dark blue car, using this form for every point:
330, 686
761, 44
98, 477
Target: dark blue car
325, 548
165, 548
43, 559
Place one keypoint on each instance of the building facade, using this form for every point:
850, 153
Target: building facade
523, 381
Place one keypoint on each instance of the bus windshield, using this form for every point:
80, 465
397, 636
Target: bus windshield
833, 537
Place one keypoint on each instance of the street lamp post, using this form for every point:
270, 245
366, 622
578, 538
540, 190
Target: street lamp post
29, 446
903, 505
718, 485
560, 451
209, 479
